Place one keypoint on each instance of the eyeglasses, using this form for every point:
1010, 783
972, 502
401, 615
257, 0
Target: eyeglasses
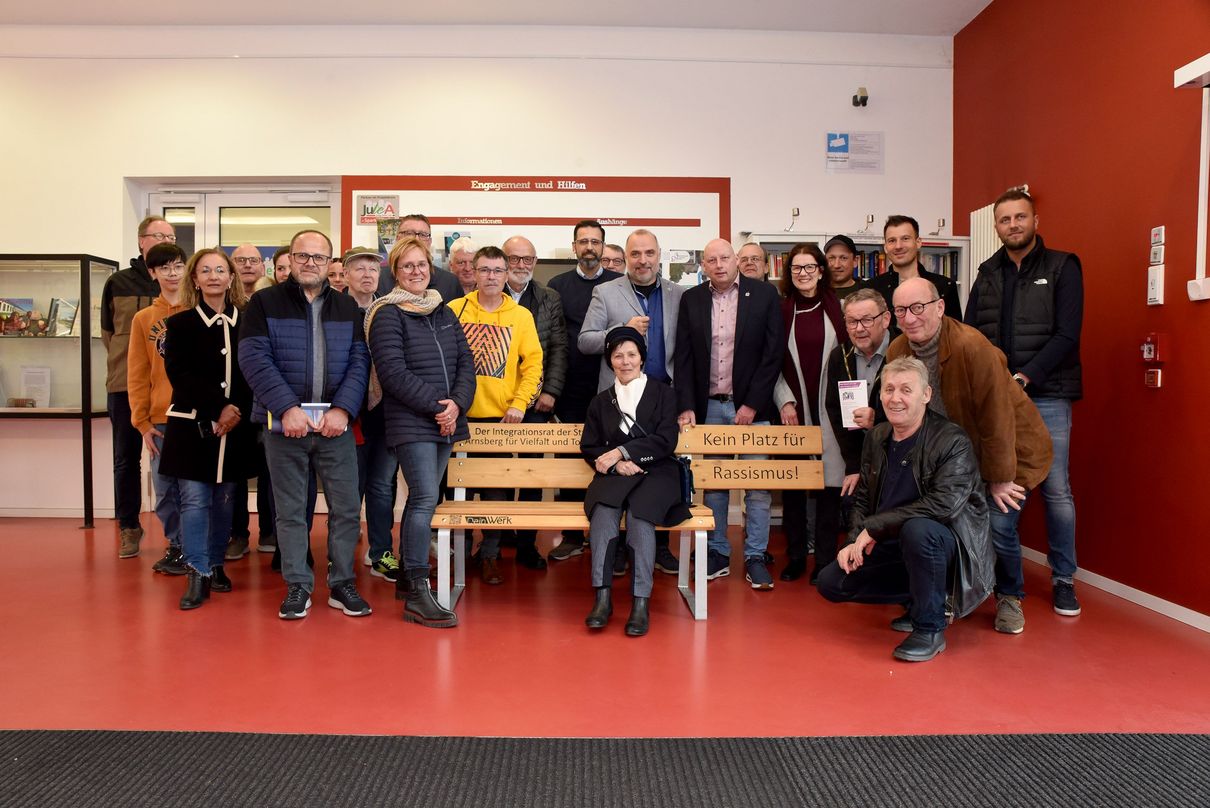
175, 268
916, 308
414, 267
420, 234
589, 242
302, 258
219, 270
804, 269
864, 322
491, 272
161, 237
613, 262
518, 260
749, 259
248, 262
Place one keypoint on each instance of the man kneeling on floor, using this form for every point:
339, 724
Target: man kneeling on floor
919, 518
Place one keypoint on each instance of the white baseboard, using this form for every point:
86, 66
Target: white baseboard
57, 513
1137, 596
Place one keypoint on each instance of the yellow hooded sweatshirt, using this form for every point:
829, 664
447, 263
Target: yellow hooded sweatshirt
508, 356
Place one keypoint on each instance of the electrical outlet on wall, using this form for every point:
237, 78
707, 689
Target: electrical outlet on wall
1157, 254
1157, 235
1155, 285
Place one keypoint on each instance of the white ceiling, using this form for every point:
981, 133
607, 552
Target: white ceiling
912, 17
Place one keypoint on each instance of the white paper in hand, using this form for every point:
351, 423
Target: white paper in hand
854, 395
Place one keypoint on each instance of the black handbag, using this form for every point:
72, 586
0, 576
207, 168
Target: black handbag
684, 464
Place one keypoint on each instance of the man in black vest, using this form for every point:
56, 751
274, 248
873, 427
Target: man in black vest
1029, 302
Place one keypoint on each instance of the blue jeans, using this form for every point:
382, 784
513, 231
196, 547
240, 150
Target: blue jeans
756, 503
1056, 490
205, 523
376, 469
292, 461
167, 498
423, 467
912, 568
1010, 578
127, 462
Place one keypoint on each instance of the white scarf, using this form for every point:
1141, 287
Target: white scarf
627, 396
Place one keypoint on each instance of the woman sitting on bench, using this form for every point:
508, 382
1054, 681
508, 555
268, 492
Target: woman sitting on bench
629, 438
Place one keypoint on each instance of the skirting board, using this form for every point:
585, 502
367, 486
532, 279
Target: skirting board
1164, 607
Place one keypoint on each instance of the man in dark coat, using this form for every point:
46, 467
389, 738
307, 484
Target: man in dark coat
919, 512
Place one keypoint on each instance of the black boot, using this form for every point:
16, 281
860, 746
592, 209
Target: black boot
601, 610
401, 587
195, 592
421, 607
636, 626
219, 582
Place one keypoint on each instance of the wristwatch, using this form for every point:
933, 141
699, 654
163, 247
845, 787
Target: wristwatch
1019, 379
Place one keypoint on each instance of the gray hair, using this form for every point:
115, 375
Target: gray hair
462, 244
862, 295
908, 364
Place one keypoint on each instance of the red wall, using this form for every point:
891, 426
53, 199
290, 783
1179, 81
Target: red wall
1076, 99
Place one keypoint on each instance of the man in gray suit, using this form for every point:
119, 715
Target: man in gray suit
647, 302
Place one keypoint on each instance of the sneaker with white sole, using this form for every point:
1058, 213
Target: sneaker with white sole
717, 565
296, 604
565, 550
346, 598
757, 573
1010, 617
1065, 600
386, 567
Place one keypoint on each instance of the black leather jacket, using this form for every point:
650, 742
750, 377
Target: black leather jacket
951, 492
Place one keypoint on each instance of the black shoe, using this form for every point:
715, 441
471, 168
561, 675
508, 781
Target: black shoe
1065, 601
345, 598
794, 569
636, 625
219, 582
602, 609
920, 646
195, 593
296, 604
903, 622
173, 562
423, 608
529, 557
665, 561
717, 565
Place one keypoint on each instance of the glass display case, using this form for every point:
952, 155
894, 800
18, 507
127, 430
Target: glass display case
52, 360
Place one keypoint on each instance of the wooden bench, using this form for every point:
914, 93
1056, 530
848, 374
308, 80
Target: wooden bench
567, 469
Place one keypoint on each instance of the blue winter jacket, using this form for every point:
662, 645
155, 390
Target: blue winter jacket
276, 356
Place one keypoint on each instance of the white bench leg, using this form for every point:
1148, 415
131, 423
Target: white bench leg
695, 597
443, 567
459, 567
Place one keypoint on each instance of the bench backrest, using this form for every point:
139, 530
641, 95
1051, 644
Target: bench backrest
787, 447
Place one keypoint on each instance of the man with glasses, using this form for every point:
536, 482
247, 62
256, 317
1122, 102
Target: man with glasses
125, 292
546, 308
249, 266
583, 371
646, 301
303, 343
1028, 300
729, 350
973, 388
753, 261
613, 258
416, 225
901, 240
508, 372
841, 254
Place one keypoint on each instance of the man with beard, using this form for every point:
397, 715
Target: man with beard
547, 310
841, 254
575, 291
1028, 300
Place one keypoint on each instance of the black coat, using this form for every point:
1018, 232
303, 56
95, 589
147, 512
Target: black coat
200, 360
842, 365
951, 492
546, 307
759, 347
421, 359
656, 495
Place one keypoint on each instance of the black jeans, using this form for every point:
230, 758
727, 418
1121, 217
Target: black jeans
911, 569
127, 462
827, 524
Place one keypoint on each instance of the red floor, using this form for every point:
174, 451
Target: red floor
101, 644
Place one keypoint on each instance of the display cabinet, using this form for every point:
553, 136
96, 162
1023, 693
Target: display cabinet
52, 360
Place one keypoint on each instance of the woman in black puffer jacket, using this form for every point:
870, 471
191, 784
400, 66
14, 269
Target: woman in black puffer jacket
425, 377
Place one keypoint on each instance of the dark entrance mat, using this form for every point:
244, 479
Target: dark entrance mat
87, 768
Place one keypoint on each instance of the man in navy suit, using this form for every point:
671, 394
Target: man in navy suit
729, 347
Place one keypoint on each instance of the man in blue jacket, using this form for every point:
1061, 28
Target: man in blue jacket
302, 349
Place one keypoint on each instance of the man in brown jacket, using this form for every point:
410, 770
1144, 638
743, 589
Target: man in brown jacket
979, 394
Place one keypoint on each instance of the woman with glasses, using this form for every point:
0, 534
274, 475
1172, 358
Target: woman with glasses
204, 446
424, 375
814, 325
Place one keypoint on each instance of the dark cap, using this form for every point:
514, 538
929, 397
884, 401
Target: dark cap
844, 241
624, 333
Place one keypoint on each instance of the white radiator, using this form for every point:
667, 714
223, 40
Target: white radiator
984, 241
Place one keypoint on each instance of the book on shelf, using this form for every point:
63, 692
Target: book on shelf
63, 315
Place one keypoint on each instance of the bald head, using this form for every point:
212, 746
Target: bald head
718, 260
918, 310
248, 265
521, 257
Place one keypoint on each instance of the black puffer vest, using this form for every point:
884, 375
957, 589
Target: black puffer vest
1033, 316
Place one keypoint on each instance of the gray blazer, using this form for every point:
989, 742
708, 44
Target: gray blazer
613, 304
